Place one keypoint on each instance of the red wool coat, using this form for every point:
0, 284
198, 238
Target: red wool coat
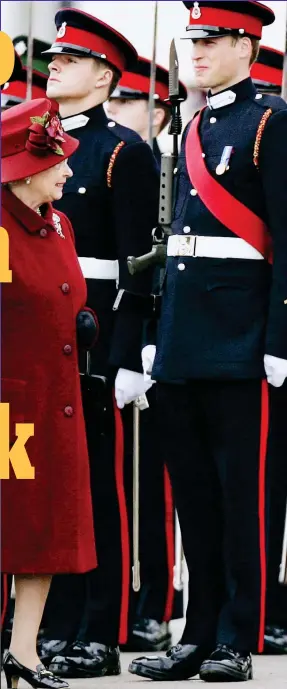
47, 524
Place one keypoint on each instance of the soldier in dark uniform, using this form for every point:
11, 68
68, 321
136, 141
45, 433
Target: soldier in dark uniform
221, 340
267, 75
158, 601
113, 203
128, 104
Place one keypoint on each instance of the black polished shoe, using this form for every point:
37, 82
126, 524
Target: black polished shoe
227, 665
87, 660
180, 662
49, 648
149, 636
275, 641
41, 677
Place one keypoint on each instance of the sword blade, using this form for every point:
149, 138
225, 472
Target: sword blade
173, 81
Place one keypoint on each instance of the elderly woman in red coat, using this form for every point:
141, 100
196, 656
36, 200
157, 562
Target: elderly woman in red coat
47, 524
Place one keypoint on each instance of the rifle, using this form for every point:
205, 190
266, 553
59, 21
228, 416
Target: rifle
157, 255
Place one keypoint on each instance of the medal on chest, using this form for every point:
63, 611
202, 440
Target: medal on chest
224, 161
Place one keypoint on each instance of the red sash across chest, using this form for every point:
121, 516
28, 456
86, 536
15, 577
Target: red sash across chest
225, 207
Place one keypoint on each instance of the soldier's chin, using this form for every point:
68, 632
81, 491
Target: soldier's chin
202, 81
53, 90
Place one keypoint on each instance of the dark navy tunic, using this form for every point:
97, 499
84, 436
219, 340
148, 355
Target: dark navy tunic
220, 316
111, 223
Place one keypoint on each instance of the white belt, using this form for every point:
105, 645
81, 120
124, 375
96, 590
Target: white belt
99, 269
211, 247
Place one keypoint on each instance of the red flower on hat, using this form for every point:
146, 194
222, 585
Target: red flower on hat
46, 133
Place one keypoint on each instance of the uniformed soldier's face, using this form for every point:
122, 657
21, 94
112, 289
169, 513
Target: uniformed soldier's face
135, 115
129, 113
220, 62
72, 77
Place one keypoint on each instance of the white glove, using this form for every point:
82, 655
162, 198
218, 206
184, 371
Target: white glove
148, 357
275, 369
129, 385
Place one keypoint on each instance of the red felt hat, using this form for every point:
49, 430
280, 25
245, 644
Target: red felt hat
268, 69
82, 34
32, 145
135, 84
216, 19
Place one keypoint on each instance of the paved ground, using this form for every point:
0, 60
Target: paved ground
270, 673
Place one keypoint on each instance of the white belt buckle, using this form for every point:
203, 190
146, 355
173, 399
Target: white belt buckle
187, 246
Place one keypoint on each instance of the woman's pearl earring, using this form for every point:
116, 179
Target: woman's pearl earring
28, 180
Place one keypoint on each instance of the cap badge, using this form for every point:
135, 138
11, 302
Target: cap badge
21, 48
62, 30
196, 13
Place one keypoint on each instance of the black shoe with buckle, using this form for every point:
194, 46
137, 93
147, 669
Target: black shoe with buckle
49, 648
149, 636
227, 665
87, 660
275, 640
41, 677
180, 662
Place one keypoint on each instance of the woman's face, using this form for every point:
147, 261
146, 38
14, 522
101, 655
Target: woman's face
48, 185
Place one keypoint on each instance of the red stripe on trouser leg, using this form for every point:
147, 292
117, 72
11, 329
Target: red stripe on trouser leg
5, 599
119, 472
170, 548
261, 508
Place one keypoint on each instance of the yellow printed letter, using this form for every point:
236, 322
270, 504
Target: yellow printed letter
17, 455
5, 273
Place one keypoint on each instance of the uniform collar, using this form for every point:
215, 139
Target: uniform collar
238, 92
96, 114
32, 221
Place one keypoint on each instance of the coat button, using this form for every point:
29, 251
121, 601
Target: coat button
43, 232
193, 192
82, 190
186, 229
65, 288
181, 266
68, 411
67, 349
111, 124
212, 120
258, 96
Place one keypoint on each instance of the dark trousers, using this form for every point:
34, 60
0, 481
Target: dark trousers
6, 608
210, 434
88, 606
101, 606
157, 598
276, 610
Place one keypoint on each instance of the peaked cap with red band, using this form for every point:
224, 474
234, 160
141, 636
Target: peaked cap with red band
135, 84
83, 35
216, 19
15, 90
267, 71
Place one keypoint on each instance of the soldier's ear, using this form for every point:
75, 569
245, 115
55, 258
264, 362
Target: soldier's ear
158, 117
104, 75
245, 48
